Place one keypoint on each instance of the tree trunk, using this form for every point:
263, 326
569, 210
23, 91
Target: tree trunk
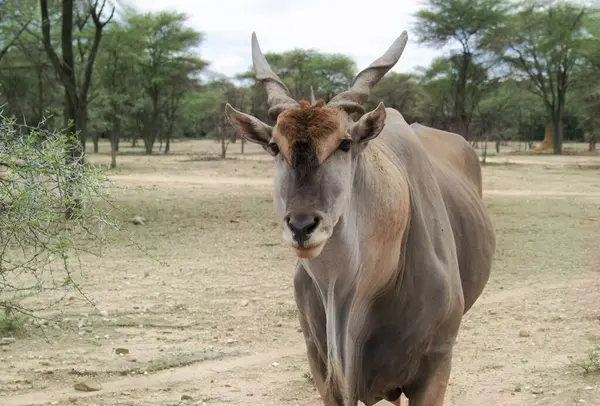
115, 136
223, 147
242, 143
134, 142
557, 135
95, 139
167, 144
148, 146
484, 151
149, 136
114, 146
497, 147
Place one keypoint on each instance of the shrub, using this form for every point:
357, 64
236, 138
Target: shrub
39, 246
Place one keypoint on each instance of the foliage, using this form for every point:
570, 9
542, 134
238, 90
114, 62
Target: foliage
464, 22
38, 246
541, 41
591, 362
150, 83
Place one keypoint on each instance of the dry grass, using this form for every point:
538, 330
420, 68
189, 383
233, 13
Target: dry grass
216, 318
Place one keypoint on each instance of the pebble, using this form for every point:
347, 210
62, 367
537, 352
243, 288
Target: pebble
524, 333
138, 220
87, 386
121, 350
131, 359
186, 397
537, 391
518, 388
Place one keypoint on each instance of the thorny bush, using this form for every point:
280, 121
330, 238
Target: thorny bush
39, 247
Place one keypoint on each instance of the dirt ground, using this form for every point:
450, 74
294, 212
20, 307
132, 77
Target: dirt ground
211, 315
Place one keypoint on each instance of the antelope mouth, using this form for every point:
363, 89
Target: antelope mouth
310, 252
310, 248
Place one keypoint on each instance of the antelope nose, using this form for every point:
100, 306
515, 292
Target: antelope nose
302, 226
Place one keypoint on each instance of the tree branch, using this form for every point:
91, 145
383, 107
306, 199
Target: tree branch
11, 43
56, 63
94, 51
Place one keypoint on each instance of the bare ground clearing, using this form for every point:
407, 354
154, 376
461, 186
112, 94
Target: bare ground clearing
217, 321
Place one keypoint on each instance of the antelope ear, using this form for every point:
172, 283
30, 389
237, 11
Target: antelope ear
249, 127
369, 125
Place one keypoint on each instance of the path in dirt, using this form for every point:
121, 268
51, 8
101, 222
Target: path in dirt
157, 380
186, 181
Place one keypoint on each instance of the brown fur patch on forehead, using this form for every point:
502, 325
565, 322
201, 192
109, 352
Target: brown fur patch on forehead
309, 127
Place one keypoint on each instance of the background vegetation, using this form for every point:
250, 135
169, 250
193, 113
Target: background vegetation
511, 70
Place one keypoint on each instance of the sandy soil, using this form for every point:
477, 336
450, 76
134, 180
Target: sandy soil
212, 316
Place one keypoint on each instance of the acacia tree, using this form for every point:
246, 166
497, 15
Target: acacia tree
463, 22
166, 60
116, 83
76, 91
541, 41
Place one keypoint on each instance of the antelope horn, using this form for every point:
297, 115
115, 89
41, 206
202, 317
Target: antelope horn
313, 100
278, 95
354, 99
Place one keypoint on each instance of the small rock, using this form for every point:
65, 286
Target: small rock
275, 364
7, 340
278, 324
186, 397
138, 220
524, 333
588, 388
517, 388
104, 313
131, 359
230, 341
244, 303
581, 401
44, 363
121, 351
537, 391
87, 386
146, 274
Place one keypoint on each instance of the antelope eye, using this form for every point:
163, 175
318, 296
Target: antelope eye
345, 145
273, 149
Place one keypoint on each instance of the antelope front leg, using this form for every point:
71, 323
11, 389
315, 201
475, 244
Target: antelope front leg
432, 390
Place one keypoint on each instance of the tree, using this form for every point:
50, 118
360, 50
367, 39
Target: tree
466, 22
117, 84
165, 64
76, 91
541, 41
